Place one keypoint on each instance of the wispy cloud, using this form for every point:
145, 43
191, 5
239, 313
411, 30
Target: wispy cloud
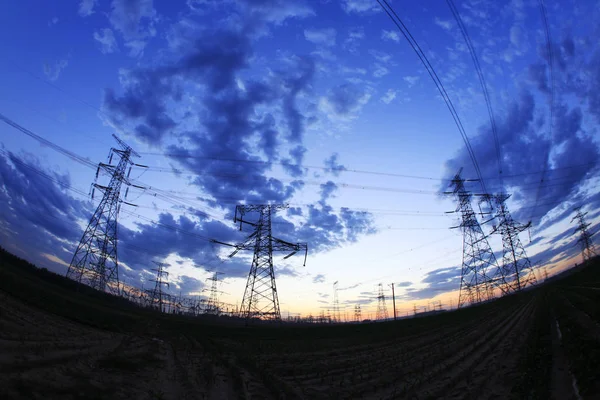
360, 6
390, 35
389, 96
444, 24
54, 69
325, 37
106, 38
86, 7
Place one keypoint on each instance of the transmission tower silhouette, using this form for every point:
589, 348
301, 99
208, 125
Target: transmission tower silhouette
95, 261
475, 283
357, 312
381, 308
336, 303
588, 250
156, 296
212, 305
260, 296
516, 271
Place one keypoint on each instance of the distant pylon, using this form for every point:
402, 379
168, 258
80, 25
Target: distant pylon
213, 306
381, 308
585, 240
95, 260
336, 303
475, 283
260, 296
517, 271
156, 296
357, 312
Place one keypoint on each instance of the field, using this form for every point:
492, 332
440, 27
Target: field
60, 342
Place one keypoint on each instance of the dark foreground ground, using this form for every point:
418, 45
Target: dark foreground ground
59, 343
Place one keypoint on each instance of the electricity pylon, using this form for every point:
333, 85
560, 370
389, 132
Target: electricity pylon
213, 306
357, 313
516, 271
475, 283
157, 295
585, 240
336, 303
381, 308
260, 296
95, 260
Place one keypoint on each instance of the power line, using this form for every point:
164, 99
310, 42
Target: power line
438, 83
86, 162
484, 88
552, 86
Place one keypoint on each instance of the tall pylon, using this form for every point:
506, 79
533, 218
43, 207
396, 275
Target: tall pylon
357, 313
156, 296
381, 308
95, 261
212, 305
336, 303
585, 239
476, 284
517, 272
260, 296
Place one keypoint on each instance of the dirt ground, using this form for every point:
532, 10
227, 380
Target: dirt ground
490, 356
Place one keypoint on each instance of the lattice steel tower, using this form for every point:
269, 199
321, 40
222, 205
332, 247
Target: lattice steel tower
212, 305
588, 250
95, 260
381, 308
357, 313
475, 283
156, 295
516, 271
336, 303
260, 296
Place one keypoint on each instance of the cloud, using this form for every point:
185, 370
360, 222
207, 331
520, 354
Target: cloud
135, 21
296, 85
354, 38
53, 70
444, 24
325, 36
438, 281
389, 96
360, 6
325, 228
319, 278
381, 56
537, 75
53, 21
404, 284
182, 236
390, 35
107, 41
37, 216
345, 101
357, 71
234, 117
186, 285
143, 105
411, 80
525, 148
276, 11
333, 166
591, 87
86, 7
380, 71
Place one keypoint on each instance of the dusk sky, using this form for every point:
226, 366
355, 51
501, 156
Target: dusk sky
321, 104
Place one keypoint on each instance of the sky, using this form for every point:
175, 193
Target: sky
322, 105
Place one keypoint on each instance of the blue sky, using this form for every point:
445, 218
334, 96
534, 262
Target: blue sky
320, 104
